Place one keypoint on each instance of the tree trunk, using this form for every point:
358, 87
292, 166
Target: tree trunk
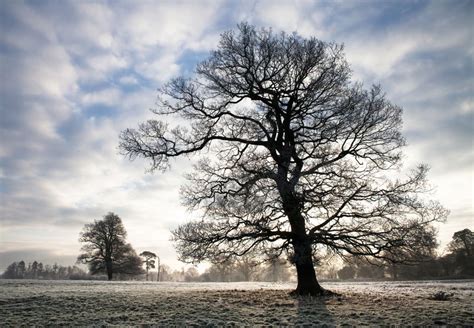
394, 272
303, 257
108, 267
307, 282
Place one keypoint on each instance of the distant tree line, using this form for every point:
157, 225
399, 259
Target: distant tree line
243, 269
36, 270
275, 270
458, 262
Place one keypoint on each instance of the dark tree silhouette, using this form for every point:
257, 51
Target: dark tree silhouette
105, 249
298, 156
277, 270
149, 261
462, 250
34, 270
21, 269
463, 242
11, 271
407, 259
347, 272
247, 266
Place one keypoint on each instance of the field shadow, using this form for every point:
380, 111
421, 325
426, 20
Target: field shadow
313, 311
279, 308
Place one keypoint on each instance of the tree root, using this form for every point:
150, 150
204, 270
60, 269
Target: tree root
321, 292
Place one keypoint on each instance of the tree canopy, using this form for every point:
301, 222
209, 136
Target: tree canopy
295, 156
462, 251
105, 248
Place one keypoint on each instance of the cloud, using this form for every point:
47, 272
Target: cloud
67, 98
159, 69
108, 97
77, 73
128, 80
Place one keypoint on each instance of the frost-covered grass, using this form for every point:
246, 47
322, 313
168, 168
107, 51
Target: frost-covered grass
86, 303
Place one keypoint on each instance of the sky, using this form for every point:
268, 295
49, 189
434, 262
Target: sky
76, 73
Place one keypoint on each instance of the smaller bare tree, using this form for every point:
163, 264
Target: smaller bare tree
105, 248
149, 261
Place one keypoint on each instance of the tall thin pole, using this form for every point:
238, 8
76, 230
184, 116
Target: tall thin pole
158, 276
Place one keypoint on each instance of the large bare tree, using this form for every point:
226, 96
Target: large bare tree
296, 157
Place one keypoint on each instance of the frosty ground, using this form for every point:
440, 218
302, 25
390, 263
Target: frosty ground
33, 302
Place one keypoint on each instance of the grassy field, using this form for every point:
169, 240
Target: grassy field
86, 303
